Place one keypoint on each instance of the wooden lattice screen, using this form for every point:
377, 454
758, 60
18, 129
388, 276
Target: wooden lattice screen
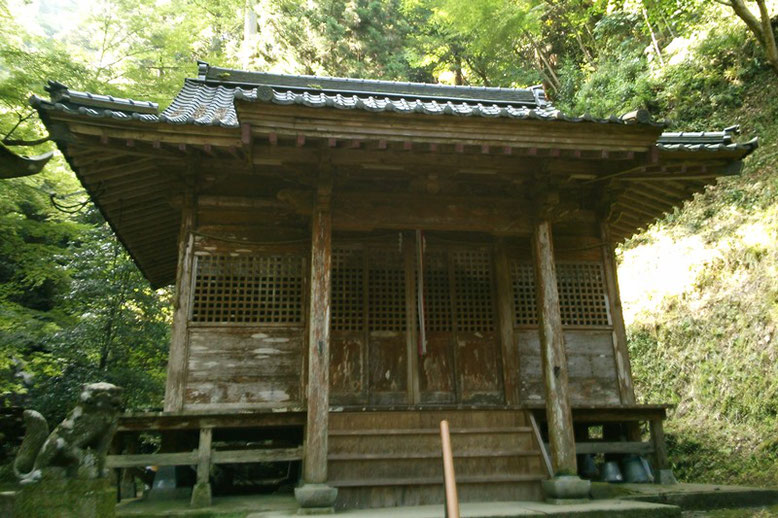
437, 293
582, 296
348, 302
260, 289
473, 287
386, 290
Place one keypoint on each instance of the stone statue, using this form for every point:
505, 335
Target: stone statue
76, 448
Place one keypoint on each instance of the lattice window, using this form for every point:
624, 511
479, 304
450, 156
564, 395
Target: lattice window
582, 298
473, 287
386, 291
348, 267
437, 293
249, 289
524, 297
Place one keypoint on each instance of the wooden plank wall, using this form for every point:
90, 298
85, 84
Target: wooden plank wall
587, 306
244, 367
591, 367
246, 333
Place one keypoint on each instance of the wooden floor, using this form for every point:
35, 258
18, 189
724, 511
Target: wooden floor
393, 458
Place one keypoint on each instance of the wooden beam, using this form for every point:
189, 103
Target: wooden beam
506, 318
264, 455
554, 359
151, 459
315, 462
595, 447
177, 359
620, 351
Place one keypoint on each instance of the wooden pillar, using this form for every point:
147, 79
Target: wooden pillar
201, 493
315, 463
658, 441
178, 356
506, 317
620, 351
552, 347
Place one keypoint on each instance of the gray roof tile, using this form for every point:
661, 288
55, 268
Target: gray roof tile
210, 99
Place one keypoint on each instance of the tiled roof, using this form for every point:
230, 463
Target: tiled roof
705, 141
210, 99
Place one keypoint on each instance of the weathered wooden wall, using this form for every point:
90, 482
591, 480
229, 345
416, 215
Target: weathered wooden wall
246, 330
591, 367
257, 360
237, 366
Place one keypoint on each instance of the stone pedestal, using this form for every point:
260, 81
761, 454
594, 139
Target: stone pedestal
201, 495
566, 489
665, 476
69, 498
316, 498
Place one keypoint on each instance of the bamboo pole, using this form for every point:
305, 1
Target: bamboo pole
452, 501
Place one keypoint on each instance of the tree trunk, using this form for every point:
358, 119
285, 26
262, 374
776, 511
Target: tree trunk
768, 35
762, 29
653, 37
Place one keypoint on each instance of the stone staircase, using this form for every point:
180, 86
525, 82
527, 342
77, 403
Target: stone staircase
393, 458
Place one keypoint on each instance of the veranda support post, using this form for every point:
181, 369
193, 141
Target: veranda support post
177, 368
565, 485
315, 493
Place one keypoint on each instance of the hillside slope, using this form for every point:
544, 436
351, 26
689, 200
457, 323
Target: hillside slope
701, 301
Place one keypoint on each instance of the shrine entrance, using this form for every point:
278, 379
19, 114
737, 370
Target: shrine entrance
381, 354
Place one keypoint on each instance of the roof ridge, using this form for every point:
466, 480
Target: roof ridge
531, 96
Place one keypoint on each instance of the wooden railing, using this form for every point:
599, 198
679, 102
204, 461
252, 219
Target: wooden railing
449, 479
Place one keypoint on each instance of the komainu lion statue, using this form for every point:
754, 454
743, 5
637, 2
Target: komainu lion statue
77, 447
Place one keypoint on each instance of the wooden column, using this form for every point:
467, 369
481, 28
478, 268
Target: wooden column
552, 349
315, 463
506, 317
201, 493
620, 351
178, 356
658, 441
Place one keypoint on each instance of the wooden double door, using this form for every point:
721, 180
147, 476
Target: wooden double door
376, 358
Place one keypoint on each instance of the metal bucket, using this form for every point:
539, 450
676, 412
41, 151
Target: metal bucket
611, 472
635, 471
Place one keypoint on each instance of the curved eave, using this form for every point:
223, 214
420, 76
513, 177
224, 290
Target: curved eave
142, 219
646, 197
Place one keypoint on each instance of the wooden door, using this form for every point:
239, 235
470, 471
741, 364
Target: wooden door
386, 326
463, 361
437, 380
478, 357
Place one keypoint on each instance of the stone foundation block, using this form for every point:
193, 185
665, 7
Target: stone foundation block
316, 498
201, 495
566, 489
665, 476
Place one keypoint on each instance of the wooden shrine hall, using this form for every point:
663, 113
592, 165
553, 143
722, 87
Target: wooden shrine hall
356, 260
